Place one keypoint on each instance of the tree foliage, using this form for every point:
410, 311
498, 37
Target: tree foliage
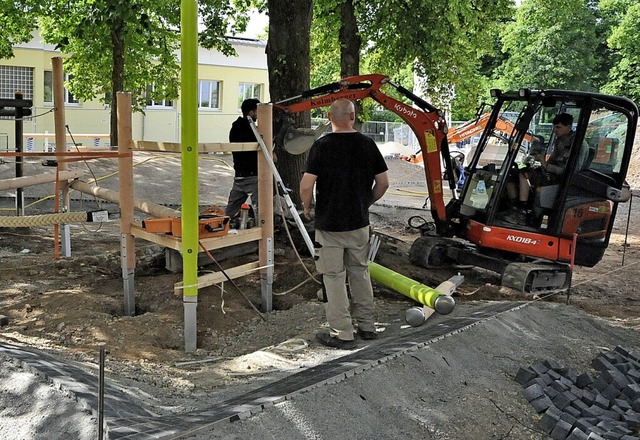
16, 24
138, 39
441, 42
550, 45
132, 45
624, 76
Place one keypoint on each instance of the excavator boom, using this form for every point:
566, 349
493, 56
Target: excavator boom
426, 121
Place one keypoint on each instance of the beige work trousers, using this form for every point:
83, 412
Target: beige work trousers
342, 257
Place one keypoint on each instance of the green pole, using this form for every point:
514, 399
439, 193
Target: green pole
189, 141
426, 295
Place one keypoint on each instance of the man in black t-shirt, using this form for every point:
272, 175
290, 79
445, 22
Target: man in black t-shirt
349, 174
245, 163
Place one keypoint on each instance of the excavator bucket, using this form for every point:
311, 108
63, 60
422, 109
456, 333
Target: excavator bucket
299, 140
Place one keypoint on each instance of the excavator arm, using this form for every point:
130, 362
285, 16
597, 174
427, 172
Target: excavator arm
477, 126
426, 121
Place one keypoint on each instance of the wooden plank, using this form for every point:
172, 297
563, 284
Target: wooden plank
163, 240
210, 279
21, 182
175, 147
243, 236
156, 146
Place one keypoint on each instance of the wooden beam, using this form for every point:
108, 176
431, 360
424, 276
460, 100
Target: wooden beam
210, 279
175, 147
114, 197
21, 182
243, 236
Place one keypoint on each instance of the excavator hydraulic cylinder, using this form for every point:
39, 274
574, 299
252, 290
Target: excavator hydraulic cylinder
441, 302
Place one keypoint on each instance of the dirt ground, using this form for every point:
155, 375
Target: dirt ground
71, 305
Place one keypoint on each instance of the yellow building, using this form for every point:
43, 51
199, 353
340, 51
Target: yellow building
223, 82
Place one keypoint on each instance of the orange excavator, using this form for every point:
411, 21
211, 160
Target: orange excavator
568, 222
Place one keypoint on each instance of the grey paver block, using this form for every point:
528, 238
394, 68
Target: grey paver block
577, 434
533, 392
632, 391
541, 404
524, 375
584, 380
561, 430
549, 420
602, 401
562, 400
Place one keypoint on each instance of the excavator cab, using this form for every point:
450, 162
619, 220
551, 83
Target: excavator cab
568, 218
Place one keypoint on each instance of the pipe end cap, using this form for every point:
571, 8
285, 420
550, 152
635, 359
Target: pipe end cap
444, 304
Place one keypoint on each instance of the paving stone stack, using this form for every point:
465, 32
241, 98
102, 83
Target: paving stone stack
580, 407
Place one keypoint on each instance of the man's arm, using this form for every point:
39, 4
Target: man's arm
306, 192
380, 186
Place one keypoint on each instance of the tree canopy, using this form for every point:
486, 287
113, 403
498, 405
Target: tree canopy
550, 44
459, 49
17, 24
443, 43
624, 76
117, 45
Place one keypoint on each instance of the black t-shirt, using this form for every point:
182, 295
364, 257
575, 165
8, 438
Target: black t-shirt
245, 163
345, 165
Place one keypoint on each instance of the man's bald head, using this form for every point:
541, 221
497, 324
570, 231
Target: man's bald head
342, 114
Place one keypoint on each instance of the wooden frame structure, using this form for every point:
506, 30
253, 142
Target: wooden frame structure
263, 232
129, 229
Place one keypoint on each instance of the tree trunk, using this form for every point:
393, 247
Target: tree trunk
117, 78
350, 42
289, 73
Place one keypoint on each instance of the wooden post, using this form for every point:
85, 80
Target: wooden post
125, 170
265, 206
61, 147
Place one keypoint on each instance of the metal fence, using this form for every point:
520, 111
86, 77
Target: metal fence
382, 132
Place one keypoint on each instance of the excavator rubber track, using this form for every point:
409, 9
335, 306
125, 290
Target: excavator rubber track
535, 278
432, 252
530, 278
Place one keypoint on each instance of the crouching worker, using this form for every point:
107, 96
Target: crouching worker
245, 163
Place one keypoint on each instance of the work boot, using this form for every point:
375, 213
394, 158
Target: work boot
517, 217
364, 334
325, 338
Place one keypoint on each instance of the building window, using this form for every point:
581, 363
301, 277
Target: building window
157, 103
16, 79
209, 94
48, 89
249, 90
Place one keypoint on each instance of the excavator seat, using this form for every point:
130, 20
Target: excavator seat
545, 196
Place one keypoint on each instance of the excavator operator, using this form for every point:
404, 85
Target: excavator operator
549, 172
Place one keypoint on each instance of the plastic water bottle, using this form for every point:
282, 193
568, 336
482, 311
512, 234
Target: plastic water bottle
244, 216
481, 198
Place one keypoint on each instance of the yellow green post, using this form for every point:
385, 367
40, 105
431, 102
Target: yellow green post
189, 140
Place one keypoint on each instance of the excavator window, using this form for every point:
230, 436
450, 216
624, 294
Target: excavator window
607, 130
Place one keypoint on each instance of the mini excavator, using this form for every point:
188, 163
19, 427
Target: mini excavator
568, 222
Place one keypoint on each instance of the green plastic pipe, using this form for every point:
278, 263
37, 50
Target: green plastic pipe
428, 296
